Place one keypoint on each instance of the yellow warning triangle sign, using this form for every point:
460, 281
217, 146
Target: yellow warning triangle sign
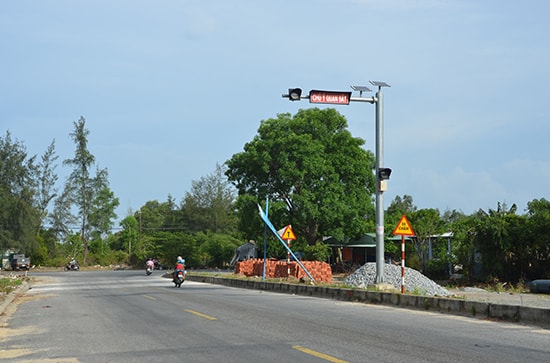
403, 228
288, 233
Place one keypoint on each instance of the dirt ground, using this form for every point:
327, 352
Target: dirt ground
8, 306
503, 298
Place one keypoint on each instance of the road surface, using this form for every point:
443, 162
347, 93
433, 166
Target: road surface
126, 316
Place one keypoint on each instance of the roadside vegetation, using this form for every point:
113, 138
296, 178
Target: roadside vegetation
9, 283
306, 169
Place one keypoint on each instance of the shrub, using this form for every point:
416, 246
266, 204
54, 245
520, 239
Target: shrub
318, 252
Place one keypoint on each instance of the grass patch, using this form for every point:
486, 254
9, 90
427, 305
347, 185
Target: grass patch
505, 287
8, 284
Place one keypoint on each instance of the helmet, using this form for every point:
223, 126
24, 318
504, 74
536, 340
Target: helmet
181, 260
178, 259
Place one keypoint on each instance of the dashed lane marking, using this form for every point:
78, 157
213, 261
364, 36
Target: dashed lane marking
319, 354
200, 314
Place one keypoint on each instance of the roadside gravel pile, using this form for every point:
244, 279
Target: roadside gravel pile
414, 280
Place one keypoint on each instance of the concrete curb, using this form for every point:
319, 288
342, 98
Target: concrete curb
475, 309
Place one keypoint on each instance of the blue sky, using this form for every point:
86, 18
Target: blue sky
170, 88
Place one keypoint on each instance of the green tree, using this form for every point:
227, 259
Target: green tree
426, 223
46, 180
537, 239
129, 235
61, 218
397, 208
102, 215
18, 215
82, 188
313, 164
317, 252
152, 216
216, 249
498, 238
72, 246
172, 220
209, 206
102, 212
169, 245
463, 244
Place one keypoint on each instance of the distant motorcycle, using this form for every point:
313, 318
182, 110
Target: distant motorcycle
149, 266
72, 266
179, 277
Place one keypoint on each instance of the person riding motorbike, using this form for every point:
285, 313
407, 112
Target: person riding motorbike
180, 263
180, 266
72, 265
149, 265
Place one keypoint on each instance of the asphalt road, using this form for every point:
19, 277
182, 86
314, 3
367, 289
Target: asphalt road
125, 316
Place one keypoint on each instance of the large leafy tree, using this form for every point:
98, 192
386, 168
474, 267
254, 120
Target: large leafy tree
499, 238
311, 162
154, 216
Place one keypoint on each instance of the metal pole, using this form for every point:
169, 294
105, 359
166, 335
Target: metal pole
379, 155
265, 238
288, 259
379, 197
402, 263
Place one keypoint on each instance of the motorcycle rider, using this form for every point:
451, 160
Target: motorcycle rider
180, 266
73, 264
150, 264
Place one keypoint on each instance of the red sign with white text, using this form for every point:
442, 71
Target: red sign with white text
333, 97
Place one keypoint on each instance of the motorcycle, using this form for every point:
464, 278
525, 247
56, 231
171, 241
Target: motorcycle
148, 270
72, 266
179, 277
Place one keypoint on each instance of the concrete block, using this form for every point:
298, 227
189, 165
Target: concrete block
476, 309
409, 301
505, 312
532, 314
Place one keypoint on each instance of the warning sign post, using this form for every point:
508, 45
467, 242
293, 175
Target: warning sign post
288, 235
403, 228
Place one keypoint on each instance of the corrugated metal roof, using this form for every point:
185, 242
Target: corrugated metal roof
367, 240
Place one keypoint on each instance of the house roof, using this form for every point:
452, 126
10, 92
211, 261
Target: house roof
367, 240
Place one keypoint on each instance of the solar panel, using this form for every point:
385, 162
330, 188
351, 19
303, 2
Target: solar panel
361, 88
379, 84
